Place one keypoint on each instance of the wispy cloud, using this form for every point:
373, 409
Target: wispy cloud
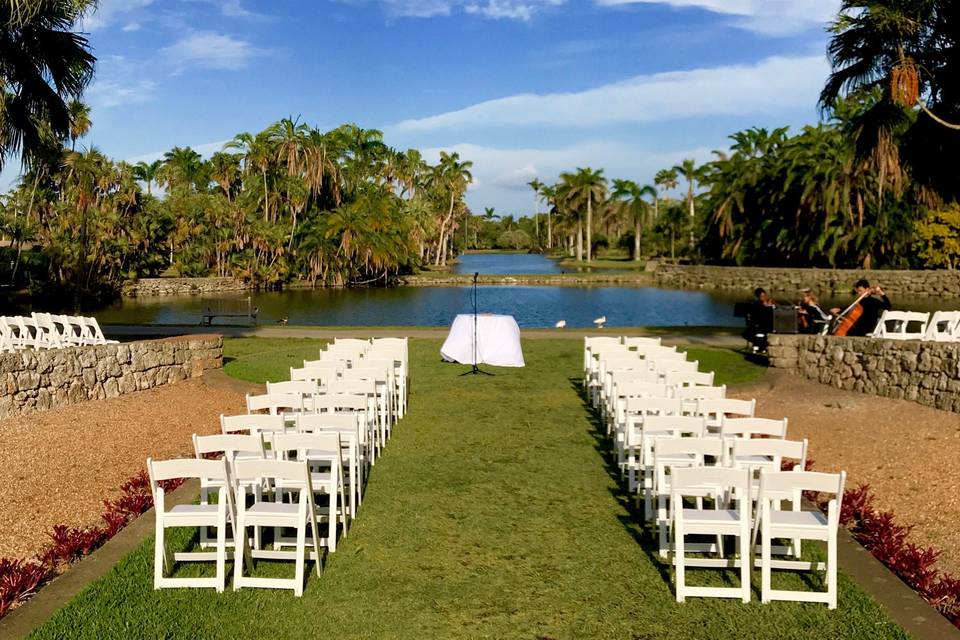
109, 12
205, 149
119, 82
209, 50
774, 83
772, 17
494, 9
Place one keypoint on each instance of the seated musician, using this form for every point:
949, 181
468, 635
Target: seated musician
811, 318
874, 302
760, 319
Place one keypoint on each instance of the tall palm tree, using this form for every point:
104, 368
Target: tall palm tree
148, 173
549, 195
630, 196
688, 169
43, 65
452, 176
536, 185
79, 121
587, 187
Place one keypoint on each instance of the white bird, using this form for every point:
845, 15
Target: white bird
602, 320
560, 324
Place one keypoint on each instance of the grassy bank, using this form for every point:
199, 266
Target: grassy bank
491, 515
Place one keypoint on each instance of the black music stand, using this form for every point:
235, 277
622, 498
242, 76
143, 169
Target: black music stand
475, 369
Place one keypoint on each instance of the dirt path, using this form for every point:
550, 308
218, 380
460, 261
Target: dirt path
906, 452
58, 466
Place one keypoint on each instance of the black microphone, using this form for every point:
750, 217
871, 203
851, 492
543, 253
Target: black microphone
476, 275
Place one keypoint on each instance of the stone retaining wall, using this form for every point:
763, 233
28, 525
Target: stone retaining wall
39, 380
825, 282
146, 287
925, 372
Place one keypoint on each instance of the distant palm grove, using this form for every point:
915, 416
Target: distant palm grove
875, 184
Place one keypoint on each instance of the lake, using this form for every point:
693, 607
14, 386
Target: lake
532, 306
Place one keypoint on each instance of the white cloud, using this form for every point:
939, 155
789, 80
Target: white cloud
501, 174
119, 82
774, 83
210, 50
773, 17
132, 26
495, 9
108, 12
206, 150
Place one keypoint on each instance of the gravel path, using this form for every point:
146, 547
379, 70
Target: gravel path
906, 452
58, 466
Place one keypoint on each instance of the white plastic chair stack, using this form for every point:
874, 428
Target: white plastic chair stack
944, 326
902, 325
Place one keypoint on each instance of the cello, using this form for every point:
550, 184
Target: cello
849, 316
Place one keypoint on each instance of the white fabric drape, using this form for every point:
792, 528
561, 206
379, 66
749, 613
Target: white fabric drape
498, 341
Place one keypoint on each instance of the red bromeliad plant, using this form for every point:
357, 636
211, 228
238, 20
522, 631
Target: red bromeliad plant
19, 579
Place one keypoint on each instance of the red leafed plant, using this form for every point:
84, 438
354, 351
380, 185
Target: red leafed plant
879, 533
19, 579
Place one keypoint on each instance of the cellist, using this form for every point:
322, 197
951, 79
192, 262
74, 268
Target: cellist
871, 303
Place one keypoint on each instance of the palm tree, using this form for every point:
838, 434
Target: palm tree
44, 65
79, 121
688, 169
536, 185
549, 195
586, 186
148, 173
630, 195
452, 176
182, 167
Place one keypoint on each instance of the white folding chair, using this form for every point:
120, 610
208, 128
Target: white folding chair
669, 453
805, 525
322, 451
49, 333
6, 337
944, 326
70, 332
688, 378
902, 325
229, 447
92, 331
663, 367
261, 512
627, 442
722, 520
275, 403
307, 388
753, 427
357, 406
382, 377
398, 350
253, 424
634, 342
348, 426
31, 336
653, 427
625, 387
690, 396
368, 390
715, 410
190, 515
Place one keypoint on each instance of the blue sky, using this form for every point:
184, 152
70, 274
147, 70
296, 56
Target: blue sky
524, 88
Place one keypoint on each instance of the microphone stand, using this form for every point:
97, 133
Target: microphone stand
475, 369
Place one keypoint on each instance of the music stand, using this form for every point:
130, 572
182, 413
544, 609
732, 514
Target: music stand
475, 369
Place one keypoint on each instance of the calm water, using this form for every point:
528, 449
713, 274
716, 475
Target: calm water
516, 263
533, 307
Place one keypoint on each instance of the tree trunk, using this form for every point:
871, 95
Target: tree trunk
692, 215
579, 241
673, 254
589, 228
549, 231
636, 240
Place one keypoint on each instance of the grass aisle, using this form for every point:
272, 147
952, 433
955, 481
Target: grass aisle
491, 515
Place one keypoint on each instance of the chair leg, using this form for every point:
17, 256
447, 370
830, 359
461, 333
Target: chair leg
746, 561
680, 569
832, 569
332, 511
221, 553
301, 558
765, 563
159, 555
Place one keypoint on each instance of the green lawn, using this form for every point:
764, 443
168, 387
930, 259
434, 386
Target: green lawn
492, 514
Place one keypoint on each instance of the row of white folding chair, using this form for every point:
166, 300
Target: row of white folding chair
638, 383
344, 355
660, 362
670, 451
316, 447
653, 417
944, 326
902, 325
739, 521
592, 345
49, 331
597, 352
341, 417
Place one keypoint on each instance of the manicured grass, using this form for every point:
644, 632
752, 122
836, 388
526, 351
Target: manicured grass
492, 514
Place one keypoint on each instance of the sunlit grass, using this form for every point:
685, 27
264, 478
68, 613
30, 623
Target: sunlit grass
491, 515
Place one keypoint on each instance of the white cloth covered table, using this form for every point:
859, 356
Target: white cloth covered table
498, 341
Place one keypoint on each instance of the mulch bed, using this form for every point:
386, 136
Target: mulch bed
906, 452
57, 467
